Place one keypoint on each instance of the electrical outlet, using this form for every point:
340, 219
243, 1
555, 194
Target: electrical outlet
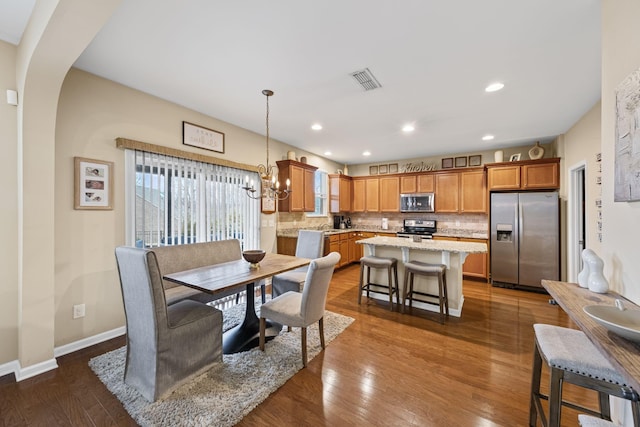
78, 311
457, 223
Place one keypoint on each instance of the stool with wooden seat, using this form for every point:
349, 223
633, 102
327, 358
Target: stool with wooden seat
413, 268
574, 359
389, 264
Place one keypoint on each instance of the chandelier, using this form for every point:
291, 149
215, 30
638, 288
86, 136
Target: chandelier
270, 186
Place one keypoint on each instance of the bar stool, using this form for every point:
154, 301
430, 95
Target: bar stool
413, 268
390, 264
574, 359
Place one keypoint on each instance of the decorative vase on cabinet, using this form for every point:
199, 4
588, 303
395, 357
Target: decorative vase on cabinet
498, 156
536, 151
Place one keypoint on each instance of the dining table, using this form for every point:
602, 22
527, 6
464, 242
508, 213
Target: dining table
622, 353
218, 277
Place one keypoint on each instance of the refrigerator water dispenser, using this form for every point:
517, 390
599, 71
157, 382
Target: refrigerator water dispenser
504, 232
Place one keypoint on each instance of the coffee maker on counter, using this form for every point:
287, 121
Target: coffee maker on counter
338, 220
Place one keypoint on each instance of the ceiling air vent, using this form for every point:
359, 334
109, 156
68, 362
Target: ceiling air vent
366, 79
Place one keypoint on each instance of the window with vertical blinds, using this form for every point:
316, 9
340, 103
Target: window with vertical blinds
180, 201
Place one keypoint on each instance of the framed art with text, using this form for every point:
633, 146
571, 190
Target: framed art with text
201, 137
93, 184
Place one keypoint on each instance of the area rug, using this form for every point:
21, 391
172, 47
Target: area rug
227, 392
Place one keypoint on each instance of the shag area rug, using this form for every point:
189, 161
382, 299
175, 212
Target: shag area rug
227, 392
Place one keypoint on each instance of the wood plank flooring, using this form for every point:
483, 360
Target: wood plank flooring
386, 369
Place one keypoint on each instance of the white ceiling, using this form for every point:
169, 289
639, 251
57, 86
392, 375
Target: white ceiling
433, 59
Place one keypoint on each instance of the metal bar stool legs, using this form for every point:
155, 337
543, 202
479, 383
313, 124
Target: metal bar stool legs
572, 358
438, 271
381, 263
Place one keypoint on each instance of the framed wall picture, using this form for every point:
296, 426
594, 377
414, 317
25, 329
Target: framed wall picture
93, 184
382, 169
447, 163
393, 168
201, 137
373, 170
461, 162
475, 160
514, 157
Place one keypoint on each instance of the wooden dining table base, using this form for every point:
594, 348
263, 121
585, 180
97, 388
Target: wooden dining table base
246, 335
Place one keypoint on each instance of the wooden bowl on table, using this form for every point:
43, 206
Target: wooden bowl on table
253, 257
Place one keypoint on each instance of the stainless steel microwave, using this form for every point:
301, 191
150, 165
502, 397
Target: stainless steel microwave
416, 202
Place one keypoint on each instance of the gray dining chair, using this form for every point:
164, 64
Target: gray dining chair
310, 245
302, 309
166, 345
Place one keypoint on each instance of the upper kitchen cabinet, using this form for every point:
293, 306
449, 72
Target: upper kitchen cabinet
447, 192
473, 191
461, 191
541, 174
389, 194
302, 176
340, 189
366, 194
422, 183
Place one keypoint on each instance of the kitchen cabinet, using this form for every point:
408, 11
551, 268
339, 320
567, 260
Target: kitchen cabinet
389, 194
366, 194
340, 193
340, 243
447, 192
541, 174
461, 191
302, 176
355, 250
422, 183
475, 265
473, 192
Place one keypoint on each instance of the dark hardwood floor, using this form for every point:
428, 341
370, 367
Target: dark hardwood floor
387, 369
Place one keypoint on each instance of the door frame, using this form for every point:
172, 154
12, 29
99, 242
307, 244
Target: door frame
576, 216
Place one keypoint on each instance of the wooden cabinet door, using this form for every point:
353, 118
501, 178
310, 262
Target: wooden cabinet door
473, 192
426, 183
344, 252
447, 192
504, 178
372, 195
287, 245
309, 190
358, 195
540, 176
389, 194
475, 265
345, 195
408, 184
298, 188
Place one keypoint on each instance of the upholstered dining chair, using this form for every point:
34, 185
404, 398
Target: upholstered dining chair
310, 245
302, 309
166, 345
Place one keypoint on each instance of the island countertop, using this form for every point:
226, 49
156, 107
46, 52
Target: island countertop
426, 244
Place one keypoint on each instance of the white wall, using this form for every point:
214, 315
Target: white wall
8, 209
621, 234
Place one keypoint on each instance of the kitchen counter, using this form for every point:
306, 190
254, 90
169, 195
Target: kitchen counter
466, 234
450, 253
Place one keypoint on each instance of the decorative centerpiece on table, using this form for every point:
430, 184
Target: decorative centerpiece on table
253, 257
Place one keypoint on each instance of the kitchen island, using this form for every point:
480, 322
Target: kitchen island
450, 253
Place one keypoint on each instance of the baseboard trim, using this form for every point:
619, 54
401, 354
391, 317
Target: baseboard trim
37, 369
20, 373
89, 341
9, 368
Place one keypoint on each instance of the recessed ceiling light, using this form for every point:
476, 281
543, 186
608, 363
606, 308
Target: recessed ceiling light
327, 153
316, 126
408, 128
494, 87
366, 153
487, 137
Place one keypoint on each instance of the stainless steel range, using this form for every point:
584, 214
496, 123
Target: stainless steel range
418, 227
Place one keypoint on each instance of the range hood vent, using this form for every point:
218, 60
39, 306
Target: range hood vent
366, 79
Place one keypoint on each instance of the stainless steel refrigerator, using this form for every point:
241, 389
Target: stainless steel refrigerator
525, 238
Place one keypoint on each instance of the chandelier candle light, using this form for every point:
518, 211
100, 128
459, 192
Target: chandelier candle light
271, 187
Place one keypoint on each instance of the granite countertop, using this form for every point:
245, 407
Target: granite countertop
426, 245
467, 234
